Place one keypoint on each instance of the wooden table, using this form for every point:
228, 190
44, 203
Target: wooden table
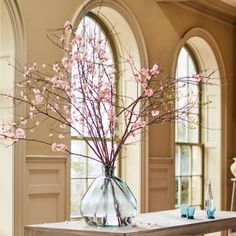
163, 223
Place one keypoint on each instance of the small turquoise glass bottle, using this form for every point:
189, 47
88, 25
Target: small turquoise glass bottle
209, 202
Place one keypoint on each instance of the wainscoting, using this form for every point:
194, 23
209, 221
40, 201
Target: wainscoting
45, 189
161, 183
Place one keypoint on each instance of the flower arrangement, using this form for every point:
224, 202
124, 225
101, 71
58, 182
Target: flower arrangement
79, 94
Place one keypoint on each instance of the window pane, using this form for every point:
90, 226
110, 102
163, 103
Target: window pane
182, 60
184, 190
196, 160
185, 160
181, 131
94, 169
196, 190
78, 188
193, 131
177, 160
191, 65
177, 191
78, 164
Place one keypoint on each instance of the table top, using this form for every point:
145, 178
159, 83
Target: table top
161, 223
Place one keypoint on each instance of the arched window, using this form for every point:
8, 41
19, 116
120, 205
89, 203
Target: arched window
83, 170
188, 143
206, 57
118, 24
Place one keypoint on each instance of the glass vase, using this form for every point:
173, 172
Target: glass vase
108, 201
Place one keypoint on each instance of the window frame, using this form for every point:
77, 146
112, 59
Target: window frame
108, 34
199, 144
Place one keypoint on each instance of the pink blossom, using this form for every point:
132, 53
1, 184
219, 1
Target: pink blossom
58, 147
105, 94
23, 120
19, 85
197, 77
77, 56
76, 40
31, 115
155, 113
144, 85
19, 134
56, 68
130, 60
36, 91
26, 71
66, 63
145, 72
61, 136
138, 78
103, 57
38, 99
110, 114
66, 110
155, 70
148, 92
67, 26
139, 124
62, 38
62, 126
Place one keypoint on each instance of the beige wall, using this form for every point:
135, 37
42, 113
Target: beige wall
162, 26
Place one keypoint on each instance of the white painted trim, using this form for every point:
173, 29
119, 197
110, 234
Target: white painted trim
19, 149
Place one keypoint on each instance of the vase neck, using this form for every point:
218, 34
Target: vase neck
109, 170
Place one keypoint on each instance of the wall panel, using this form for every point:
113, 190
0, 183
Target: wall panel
161, 184
46, 185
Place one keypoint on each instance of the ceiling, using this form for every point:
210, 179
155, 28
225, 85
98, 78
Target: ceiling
224, 10
230, 2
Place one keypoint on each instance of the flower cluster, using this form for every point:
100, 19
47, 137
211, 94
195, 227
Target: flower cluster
79, 95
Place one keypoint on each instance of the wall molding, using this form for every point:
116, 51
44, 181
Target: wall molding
16, 18
219, 10
45, 159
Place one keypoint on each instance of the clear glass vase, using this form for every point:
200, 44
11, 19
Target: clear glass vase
108, 201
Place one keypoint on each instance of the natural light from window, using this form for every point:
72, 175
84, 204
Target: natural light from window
83, 171
189, 150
